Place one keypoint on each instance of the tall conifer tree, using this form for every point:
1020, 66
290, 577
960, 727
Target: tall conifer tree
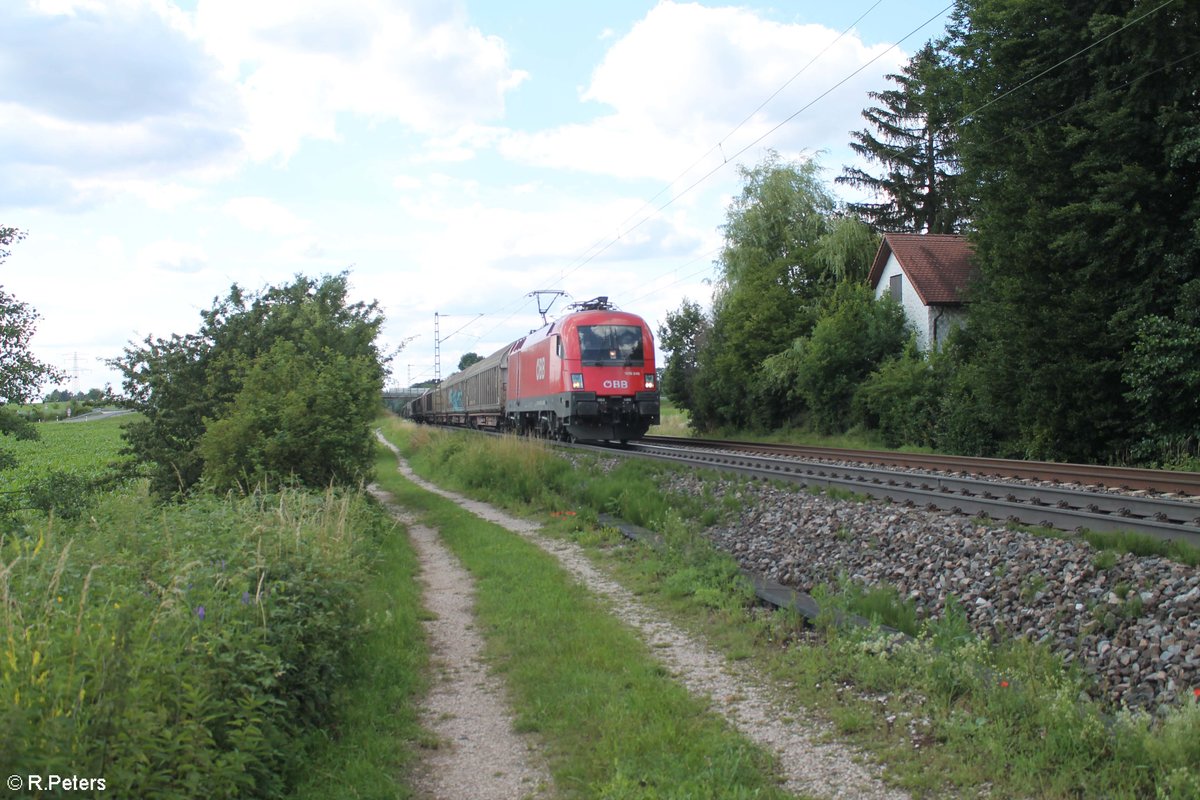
914, 138
1084, 144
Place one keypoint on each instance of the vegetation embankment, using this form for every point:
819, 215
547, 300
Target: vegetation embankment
223, 613
614, 723
1081, 313
945, 711
265, 646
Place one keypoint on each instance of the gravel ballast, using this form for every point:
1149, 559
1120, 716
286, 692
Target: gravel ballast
1132, 622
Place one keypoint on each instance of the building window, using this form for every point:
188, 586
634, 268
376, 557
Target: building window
896, 287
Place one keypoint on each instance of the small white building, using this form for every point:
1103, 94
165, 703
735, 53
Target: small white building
928, 275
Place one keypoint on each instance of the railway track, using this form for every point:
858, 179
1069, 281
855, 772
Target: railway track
1185, 483
1056, 506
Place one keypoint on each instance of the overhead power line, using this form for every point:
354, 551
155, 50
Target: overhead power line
725, 163
603, 244
1071, 57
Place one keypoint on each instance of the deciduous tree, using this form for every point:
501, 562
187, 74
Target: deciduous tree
683, 335
769, 285
816, 378
21, 373
275, 386
468, 359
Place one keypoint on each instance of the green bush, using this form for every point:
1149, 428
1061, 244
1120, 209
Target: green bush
823, 371
1163, 375
901, 399
298, 417
64, 493
276, 386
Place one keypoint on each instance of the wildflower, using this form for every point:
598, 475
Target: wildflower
1003, 684
200, 612
245, 598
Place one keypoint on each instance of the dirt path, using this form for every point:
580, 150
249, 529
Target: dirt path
479, 756
810, 766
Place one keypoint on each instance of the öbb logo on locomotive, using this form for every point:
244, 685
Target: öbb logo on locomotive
589, 375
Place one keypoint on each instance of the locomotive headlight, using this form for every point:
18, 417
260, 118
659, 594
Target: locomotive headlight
576, 380
649, 380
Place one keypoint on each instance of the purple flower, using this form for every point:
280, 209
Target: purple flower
245, 598
200, 612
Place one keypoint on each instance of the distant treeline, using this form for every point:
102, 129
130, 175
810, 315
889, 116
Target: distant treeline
64, 396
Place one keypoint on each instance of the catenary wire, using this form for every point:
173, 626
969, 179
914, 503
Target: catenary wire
609, 241
721, 166
735, 129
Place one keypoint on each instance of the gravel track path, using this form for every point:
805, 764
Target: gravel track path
479, 756
811, 764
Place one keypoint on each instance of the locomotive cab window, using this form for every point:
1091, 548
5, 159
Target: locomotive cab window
611, 345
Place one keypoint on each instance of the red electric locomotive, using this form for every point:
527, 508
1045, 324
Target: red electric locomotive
589, 375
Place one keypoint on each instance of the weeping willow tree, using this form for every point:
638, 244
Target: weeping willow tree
846, 251
787, 247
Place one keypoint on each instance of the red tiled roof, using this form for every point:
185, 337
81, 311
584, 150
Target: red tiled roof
938, 265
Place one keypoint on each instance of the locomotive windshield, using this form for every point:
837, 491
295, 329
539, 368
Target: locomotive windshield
611, 345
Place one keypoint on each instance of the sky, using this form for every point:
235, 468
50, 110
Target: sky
453, 156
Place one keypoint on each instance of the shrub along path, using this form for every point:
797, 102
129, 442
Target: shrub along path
810, 766
478, 754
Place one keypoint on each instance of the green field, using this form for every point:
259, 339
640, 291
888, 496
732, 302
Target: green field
78, 448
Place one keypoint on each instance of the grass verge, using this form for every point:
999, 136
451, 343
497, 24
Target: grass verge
212, 648
369, 752
614, 723
223, 647
947, 712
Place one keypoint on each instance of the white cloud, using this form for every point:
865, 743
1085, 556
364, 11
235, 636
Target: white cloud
126, 90
406, 183
264, 215
686, 75
155, 195
115, 91
462, 144
302, 62
110, 249
169, 255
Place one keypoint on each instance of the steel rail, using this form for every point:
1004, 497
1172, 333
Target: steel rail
1165, 481
1070, 510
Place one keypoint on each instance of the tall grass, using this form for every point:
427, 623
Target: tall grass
946, 711
370, 750
182, 651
